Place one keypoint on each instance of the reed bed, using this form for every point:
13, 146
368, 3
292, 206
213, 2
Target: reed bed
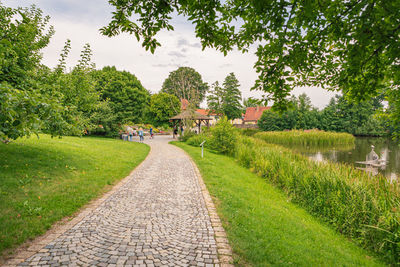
306, 138
364, 208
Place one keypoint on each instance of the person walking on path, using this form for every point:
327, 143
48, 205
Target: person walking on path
141, 135
129, 130
151, 133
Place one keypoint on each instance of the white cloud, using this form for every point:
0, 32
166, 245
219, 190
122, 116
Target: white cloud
176, 54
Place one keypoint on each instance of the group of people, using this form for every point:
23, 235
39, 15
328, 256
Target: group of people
176, 130
133, 132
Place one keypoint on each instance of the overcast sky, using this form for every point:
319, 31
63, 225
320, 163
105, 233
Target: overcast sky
80, 22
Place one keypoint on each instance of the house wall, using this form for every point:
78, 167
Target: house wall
237, 121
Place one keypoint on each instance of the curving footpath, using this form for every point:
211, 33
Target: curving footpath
160, 215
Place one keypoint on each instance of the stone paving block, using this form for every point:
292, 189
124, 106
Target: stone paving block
160, 215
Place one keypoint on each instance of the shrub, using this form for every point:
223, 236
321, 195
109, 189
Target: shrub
249, 131
198, 139
224, 136
186, 135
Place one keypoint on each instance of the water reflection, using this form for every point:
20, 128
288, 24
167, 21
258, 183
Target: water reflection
386, 149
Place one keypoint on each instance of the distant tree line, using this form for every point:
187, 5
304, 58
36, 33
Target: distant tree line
340, 115
83, 100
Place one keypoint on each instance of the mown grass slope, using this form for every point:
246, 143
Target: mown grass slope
43, 180
264, 228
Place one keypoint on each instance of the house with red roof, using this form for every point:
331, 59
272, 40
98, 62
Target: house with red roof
207, 112
253, 114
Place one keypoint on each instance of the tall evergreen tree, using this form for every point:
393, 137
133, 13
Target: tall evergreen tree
215, 99
232, 96
226, 100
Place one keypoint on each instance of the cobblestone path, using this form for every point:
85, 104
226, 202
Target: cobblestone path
157, 218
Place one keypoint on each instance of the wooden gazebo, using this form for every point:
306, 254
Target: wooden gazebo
191, 115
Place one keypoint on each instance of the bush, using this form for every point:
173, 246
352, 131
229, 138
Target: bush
249, 131
103, 121
224, 136
220, 138
198, 139
186, 135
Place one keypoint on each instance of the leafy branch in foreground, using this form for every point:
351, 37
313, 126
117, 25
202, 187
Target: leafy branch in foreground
352, 46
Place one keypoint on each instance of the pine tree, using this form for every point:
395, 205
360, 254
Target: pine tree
226, 100
232, 97
215, 99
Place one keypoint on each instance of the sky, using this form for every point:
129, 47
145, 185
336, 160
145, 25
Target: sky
80, 22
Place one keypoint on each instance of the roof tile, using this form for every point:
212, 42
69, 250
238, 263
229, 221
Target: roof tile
254, 113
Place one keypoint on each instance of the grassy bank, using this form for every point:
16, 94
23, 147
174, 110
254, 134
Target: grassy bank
306, 138
264, 228
363, 208
42, 181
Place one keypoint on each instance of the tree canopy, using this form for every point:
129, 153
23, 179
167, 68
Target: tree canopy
162, 107
251, 102
352, 46
186, 83
24, 103
24, 33
125, 94
35, 98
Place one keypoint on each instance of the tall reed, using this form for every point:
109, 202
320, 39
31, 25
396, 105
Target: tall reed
364, 208
306, 138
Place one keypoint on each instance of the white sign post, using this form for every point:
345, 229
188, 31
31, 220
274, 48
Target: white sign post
202, 147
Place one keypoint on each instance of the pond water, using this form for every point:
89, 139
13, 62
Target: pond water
385, 148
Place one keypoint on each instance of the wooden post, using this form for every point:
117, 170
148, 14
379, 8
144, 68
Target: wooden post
173, 129
199, 126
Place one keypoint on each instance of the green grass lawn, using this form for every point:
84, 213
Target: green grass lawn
264, 228
43, 180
